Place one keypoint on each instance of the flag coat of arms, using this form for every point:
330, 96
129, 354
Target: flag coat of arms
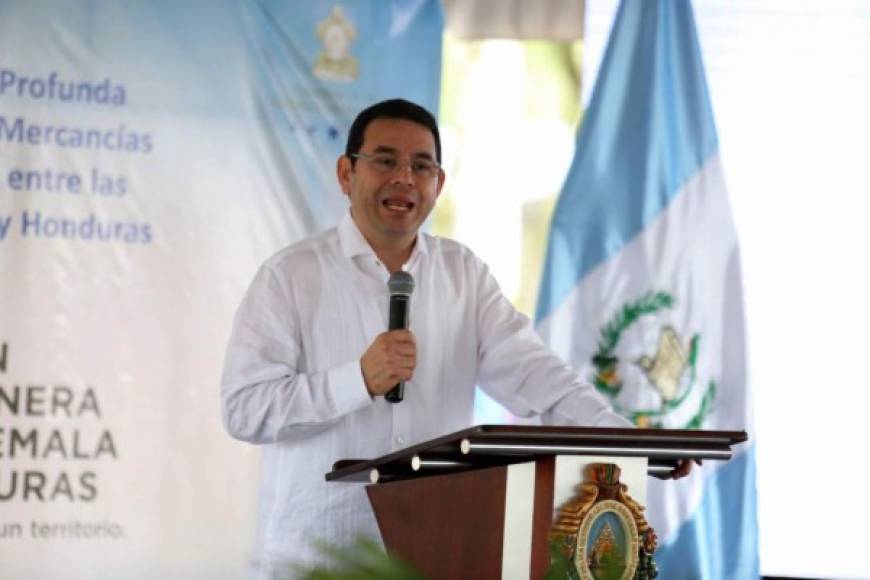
642, 289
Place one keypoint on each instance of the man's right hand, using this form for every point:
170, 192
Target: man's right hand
390, 359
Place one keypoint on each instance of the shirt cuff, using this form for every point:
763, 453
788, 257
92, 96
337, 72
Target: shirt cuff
586, 408
347, 388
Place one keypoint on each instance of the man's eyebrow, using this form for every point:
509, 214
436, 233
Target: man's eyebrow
385, 149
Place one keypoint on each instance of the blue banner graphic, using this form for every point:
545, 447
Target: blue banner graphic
152, 155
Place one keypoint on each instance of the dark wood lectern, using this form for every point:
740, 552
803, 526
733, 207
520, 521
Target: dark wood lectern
445, 505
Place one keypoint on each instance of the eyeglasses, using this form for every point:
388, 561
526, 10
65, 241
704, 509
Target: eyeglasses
388, 164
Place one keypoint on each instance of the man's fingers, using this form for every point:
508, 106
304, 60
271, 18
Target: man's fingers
400, 373
397, 341
405, 363
683, 468
390, 359
400, 336
405, 349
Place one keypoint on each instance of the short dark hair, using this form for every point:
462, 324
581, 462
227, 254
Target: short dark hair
391, 109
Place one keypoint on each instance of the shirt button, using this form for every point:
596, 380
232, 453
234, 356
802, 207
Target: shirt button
400, 440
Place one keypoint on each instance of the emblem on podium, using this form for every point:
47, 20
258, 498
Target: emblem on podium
602, 531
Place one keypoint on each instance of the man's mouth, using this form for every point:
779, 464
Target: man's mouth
398, 205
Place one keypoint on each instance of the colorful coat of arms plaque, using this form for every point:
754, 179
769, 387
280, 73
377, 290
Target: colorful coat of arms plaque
602, 531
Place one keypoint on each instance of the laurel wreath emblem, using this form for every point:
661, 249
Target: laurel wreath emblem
609, 383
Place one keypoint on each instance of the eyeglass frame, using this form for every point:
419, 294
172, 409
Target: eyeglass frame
399, 166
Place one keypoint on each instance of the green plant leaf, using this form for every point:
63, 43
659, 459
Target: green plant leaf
365, 559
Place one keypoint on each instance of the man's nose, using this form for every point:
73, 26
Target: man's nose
403, 174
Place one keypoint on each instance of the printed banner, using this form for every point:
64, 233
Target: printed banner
152, 155
642, 290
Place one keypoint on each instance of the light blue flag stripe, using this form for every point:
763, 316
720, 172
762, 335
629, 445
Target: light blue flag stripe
649, 126
721, 539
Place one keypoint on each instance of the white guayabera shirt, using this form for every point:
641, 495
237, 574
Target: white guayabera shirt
292, 380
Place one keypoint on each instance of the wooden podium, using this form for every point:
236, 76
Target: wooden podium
479, 503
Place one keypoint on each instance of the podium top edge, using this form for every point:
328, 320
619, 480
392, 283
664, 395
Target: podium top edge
730, 437
613, 438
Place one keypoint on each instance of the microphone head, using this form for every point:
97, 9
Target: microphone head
401, 283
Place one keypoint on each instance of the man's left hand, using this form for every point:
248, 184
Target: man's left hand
683, 468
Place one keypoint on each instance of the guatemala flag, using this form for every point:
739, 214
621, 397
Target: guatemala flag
642, 288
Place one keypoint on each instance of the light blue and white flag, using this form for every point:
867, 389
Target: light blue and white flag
642, 287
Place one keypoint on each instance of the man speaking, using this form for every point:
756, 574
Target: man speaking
310, 357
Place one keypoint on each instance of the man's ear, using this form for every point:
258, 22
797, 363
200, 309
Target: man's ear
441, 178
344, 172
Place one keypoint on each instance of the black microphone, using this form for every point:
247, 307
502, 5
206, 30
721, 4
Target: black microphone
401, 284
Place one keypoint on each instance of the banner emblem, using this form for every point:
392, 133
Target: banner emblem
336, 63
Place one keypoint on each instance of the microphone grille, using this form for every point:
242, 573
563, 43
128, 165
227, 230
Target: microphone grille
401, 283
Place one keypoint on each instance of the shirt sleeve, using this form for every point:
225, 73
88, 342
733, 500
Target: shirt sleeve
265, 397
519, 371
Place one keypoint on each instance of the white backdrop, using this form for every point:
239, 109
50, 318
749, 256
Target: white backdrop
195, 140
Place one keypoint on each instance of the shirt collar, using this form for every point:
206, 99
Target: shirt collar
354, 244
351, 239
